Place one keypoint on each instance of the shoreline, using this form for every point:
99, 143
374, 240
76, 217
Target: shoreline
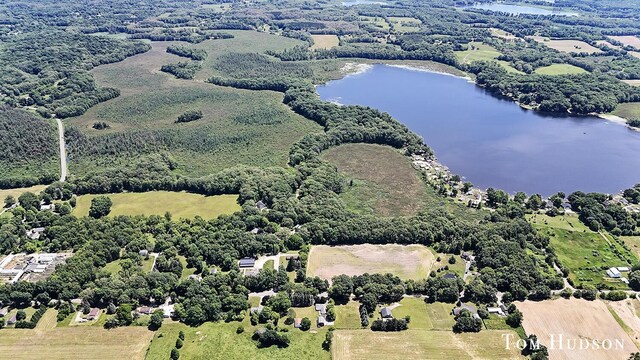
617, 120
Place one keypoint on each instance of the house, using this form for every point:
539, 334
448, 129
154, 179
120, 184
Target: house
44, 207
144, 310
623, 269
12, 320
4, 312
613, 273
495, 310
213, 271
256, 309
143, 252
46, 258
466, 256
322, 308
93, 314
625, 280
386, 313
195, 277
261, 205
34, 234
247, 262
321, 321
297, 322
464, 306
255, 231
449, 276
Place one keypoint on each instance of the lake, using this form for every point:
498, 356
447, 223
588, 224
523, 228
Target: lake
520, 9
493, 142
362, 2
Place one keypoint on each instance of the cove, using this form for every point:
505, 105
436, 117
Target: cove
493, 142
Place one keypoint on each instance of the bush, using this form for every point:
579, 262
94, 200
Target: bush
240, 329
190, 115
175, 354
389, 325
178, 343
305, 324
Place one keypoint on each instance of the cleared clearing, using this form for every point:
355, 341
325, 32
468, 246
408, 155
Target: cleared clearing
627, 312
628, 110
179, 204
568, 46
325, 41
386, 183
575, 319
478, 51
82, 343
632, 82
16, 192
407, 262
420, 345
560, 69
628, 40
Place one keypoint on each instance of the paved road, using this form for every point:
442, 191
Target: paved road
63, 151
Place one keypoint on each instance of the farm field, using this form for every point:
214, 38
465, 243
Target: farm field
220, 342
559, 69
575, 319
420, 344
633, 242
237, 127
626, 313
417, 309
378, 22
499, 33
481, 52
16, 192
348, 316
407, 262
581, 250
629, 40
632, 82
385, 182
67, 343
405, 24
179, 204
324, 41
568, 46
628, 110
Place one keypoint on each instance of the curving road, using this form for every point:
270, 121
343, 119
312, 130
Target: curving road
63, 151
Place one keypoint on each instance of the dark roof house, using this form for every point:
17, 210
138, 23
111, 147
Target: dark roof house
449, 276
247, 262
93, 314
386, 313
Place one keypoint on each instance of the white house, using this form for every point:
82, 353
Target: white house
613, 273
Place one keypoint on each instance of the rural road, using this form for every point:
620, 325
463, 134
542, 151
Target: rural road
63, 151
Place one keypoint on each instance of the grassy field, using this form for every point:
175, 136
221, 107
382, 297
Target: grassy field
179, 204
325, 41
417, 309
114, 267
628, 110
405, 24
220, 342
385, 183
67, 343
628, 40
575, 319
632, 82
378, 22
560, 69
583, 251
499, 33
407, 262
238, 126
420, 344
16, 192
568, 46
482, 52
633, 242
348, 316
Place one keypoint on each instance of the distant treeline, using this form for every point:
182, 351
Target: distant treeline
193, 54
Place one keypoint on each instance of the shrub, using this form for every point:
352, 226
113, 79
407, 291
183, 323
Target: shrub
190, 115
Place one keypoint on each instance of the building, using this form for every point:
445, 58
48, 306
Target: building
449, 276
35, 233
613, 273
321, 308
297, 322
4, 312
386, 313
247, 262
12, 320
623, 269
321, 321
464, 306
495, 310
256, 309
261, 205
144, 310
143, 252
93, 314
46, 258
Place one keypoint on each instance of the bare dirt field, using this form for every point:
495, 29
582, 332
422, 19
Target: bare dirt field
628, 312
628, 40
420, 345
568, 46
576, 320
632, 82
324, 41
407, 262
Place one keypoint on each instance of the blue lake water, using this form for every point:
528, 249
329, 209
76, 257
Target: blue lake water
520, 9
362, 2
493, 142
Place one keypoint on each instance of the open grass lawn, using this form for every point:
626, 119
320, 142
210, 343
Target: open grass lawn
185, 271
628, 110
16, 192
583, 251
421, 344
378, 22
238, 126
324, 41
65, 343
633, 242
481, 52
348, 316
440, 315
560, 69
406, 262
220, 342
568, 46
417, 309
405, 24
384, 183
114, 267
179, 204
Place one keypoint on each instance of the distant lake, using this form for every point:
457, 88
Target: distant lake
493, 142
362, 2
519, 9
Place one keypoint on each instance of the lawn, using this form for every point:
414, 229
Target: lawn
179, 204
628, 110
378, 22
66, 343
406, 262
583, 251
416, 308
440, 315
219, 341
560, 69
114, 267
420, 344
633, 242
348, 316
16, 192
325, 41
237, 127
405, 24
384, 182
478, 51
